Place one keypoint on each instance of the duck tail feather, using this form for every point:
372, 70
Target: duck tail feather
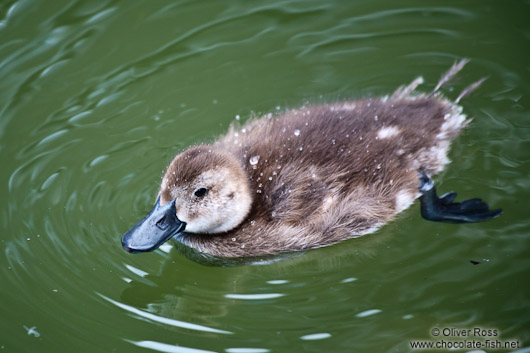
405, 91
469, 89
457, 66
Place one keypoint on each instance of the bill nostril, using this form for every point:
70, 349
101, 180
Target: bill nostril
162, 224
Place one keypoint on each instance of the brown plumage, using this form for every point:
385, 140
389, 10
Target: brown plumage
312, 176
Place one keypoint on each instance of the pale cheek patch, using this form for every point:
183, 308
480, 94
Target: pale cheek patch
387, 132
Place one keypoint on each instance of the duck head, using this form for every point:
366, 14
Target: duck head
204, 190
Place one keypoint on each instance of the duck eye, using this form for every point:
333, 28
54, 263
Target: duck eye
200, 192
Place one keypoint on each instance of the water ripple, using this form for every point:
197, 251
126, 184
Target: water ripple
262, 296
166, 348
452, 11
315, 336
163, 320
100, 15
174, 50
247, 350
86, 131
368, 313
347, 38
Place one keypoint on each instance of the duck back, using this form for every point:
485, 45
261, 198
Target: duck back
325, 173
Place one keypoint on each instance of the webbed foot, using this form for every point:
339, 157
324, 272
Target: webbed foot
443, 209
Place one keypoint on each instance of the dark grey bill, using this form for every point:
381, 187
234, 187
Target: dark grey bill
160, 225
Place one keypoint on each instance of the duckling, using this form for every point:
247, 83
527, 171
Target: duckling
311, 177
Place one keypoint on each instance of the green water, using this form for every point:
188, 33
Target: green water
96, 97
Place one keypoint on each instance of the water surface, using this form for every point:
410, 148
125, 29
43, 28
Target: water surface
96, 97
